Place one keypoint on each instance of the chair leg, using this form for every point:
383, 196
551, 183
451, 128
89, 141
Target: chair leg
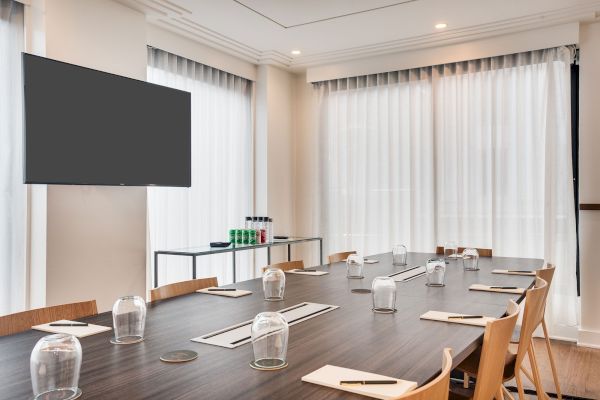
520, 386
541, 394
507, 393
551, 357
465, 380
499, 394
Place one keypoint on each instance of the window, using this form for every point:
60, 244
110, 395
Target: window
222, 185
477, 152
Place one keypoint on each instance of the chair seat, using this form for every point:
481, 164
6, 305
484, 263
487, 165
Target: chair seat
470, 365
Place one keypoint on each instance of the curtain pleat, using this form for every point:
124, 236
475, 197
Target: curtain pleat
221, 193
13, 201
475, 152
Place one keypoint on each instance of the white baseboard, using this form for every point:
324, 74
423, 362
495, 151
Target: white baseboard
589, 339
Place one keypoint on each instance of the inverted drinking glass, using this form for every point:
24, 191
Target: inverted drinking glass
435, 271
470, 260
55, 364
399, 255
269, 341
450, 250
129, 320
354, 266
384, 295
273, 284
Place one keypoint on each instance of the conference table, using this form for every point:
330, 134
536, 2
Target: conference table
397, 345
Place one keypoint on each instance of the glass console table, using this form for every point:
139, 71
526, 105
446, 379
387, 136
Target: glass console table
233, 248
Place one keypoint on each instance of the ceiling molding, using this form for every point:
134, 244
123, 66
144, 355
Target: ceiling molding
177, 19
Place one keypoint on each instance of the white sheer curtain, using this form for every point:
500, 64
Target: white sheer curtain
12, 190
476, 152
373, 132
221, 192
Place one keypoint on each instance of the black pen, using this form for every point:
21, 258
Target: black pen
69, 324
520, 271
222, 290
465, 316
503, 287
372, 382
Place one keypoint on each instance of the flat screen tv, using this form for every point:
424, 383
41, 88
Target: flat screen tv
86, 127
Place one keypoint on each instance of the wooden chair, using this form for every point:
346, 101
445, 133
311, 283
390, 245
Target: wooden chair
438, 388
22, 321
286, 266
337, 257
181, 288
513, 363
482, 252
491, 356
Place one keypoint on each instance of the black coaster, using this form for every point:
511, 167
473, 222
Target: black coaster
362, 291
178, 356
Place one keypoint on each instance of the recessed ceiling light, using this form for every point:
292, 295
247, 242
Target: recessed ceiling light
441, 25
296, 52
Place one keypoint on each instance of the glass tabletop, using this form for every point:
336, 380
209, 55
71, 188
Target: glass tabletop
206, 249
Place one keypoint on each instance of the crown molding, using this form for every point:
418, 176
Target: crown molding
169, 16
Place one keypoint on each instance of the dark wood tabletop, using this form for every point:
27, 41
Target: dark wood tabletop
397, 345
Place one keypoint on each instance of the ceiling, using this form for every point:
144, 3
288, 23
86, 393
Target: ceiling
266, 31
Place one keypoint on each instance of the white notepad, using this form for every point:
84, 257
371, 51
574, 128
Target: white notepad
78, 331
404, 276
305, 272
330, 376
237, 293
487, 288
509, 272
443, 317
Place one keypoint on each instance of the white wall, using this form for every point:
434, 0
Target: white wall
589, 182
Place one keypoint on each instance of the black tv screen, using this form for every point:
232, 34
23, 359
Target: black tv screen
86, 127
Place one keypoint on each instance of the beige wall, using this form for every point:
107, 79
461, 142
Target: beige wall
589, 182
90, 241
274, 186
96, 236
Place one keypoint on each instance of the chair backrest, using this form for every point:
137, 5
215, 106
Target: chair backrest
286, 266
482, 252
438, 388
535, 305
546, 273
339, 256
181, 288
495, 345
22, 321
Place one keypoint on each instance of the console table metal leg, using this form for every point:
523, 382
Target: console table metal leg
155, 269
193, 267
269, 255
321, 250
289, 252
233, 256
